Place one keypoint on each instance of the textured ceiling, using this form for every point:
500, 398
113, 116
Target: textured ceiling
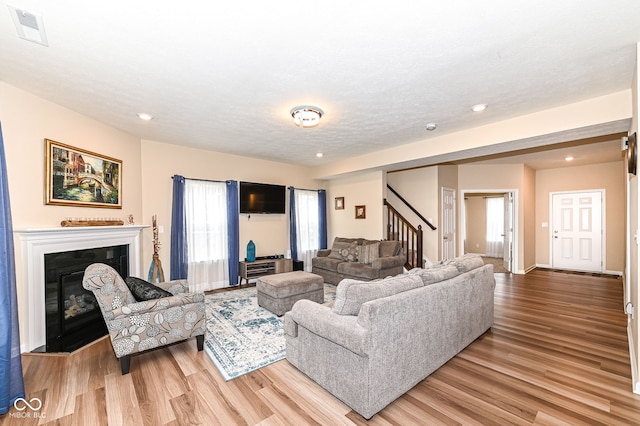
224, 75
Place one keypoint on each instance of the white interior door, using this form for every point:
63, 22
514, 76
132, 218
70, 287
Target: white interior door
448, 228
576, 231
508, 231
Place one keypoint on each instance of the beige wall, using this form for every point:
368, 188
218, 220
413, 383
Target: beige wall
607, 176
529, 202
26, 121
269, 232
420, 188
364, 189
631, 279
476, 224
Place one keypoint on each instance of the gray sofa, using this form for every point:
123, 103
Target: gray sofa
358, 258
381, 338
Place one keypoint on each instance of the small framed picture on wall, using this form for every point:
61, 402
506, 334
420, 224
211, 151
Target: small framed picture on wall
339, 203
361, 212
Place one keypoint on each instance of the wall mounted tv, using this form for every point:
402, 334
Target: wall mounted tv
262, 198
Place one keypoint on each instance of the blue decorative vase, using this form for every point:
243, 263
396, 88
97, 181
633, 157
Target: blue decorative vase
251, 251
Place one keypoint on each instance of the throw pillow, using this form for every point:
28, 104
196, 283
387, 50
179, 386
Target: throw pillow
350, 253
143, 290
337, 247
351, 294
368, 253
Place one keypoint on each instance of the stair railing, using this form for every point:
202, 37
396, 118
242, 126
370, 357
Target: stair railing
400, 229
406, 203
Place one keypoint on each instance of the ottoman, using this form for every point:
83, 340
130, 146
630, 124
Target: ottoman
277, 293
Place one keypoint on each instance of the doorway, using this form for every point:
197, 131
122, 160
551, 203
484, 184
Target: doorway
448, 232
488, 224
577, 231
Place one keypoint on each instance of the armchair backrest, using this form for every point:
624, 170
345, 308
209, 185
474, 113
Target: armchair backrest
108, 286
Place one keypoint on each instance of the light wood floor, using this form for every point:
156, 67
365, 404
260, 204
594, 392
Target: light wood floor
557, 354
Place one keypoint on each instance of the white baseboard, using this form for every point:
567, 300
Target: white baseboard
633, 358
608, 272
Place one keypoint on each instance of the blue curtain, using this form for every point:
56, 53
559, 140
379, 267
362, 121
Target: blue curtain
322, 215
293, 235
233, 230
11, 383
179, 266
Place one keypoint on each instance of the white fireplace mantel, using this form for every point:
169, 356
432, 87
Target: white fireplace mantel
34, 243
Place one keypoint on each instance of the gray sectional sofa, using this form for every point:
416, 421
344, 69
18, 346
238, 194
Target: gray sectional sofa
381, 338
358, 258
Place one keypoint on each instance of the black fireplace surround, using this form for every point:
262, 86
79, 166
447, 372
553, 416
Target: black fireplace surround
73, 317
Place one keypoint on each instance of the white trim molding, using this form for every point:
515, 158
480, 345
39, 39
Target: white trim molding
635, 380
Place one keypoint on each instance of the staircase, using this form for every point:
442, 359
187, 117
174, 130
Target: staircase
400, 229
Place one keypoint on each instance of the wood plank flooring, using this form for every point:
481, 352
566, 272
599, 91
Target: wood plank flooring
556, 355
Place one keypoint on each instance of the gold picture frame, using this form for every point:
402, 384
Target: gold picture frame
361, 212
339, 203
81, 178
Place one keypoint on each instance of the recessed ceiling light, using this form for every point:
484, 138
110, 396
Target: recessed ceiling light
431, 126
144, 116
479, 107
319, 154
568, 158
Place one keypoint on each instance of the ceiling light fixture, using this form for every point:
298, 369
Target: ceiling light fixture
479, 107
568, 158
144, 116
306, 116
431, 127
319, 154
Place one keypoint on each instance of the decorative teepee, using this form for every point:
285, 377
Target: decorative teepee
156, 274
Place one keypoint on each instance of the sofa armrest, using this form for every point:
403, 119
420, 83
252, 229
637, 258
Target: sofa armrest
174, 286
389, 262
342, 330
323, 253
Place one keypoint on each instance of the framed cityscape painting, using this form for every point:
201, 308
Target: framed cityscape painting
75, 177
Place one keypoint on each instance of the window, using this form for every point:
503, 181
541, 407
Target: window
495, 227
206, 229
307, 225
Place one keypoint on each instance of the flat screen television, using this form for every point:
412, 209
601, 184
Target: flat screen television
262, 198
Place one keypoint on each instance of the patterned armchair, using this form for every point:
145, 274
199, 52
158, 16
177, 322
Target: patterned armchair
138, 326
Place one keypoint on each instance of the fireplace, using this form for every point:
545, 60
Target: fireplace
33, 244
73, 317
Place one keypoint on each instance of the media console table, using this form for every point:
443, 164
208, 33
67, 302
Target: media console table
259, 268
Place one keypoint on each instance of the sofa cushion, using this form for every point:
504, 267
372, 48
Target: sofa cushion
468, 262
436, 273
143, 290
328, 263
369, 252
358, 270
351, 294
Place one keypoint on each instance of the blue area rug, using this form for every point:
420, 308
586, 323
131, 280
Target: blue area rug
241, 336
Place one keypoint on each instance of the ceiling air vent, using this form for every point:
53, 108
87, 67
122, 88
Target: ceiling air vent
29, 26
